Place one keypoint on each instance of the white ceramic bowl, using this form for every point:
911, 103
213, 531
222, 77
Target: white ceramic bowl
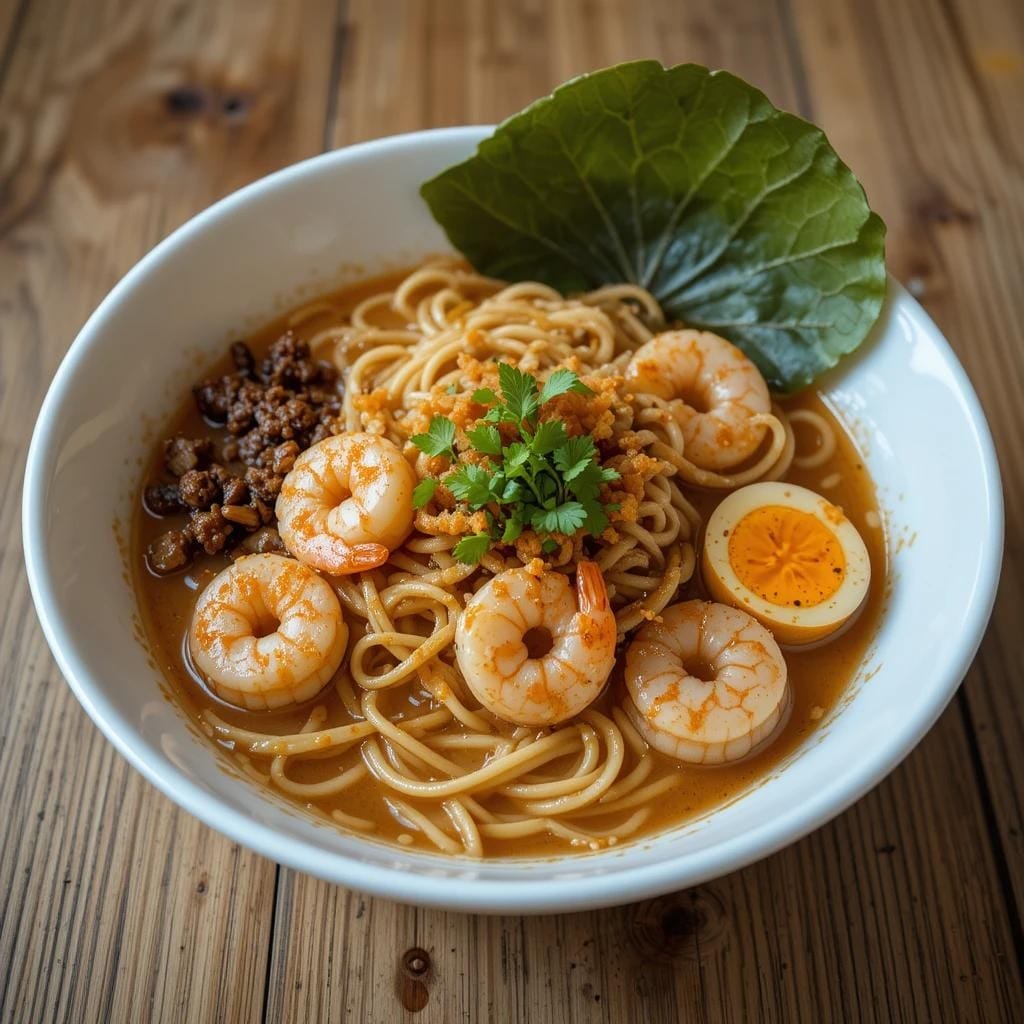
311, 226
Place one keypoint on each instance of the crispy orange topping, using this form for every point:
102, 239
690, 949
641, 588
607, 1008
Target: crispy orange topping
535, 567
454, 523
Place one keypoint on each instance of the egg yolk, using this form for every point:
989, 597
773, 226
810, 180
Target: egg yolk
786, 556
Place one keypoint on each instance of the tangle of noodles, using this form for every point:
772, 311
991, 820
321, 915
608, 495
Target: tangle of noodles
452, 771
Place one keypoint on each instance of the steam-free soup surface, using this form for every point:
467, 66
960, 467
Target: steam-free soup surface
819, 676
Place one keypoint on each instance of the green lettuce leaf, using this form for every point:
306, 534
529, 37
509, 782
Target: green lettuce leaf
739, 217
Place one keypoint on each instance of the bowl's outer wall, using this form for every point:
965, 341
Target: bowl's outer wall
358, 211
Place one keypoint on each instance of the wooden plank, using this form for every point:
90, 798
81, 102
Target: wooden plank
947, 176
890, 913
115, 906
895, 910
411, 65
119, 121
12, 16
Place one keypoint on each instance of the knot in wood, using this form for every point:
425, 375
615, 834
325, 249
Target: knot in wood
683, 925
413, 974
936, 206
185, 100
416, 961
189, 101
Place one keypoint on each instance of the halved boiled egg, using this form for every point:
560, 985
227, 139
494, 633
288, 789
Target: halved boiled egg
787, 556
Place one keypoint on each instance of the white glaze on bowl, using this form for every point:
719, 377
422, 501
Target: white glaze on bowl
244, 260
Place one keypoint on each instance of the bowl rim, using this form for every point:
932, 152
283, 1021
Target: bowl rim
522, 895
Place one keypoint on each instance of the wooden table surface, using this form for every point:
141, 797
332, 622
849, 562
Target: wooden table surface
119, 119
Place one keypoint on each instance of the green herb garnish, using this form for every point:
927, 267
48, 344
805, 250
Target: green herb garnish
738, 217
439, 438
423, 492
471, 549
485, 439
545, 481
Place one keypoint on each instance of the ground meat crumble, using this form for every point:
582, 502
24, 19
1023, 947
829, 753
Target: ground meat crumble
272, 410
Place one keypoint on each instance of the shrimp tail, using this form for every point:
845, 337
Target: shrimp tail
591, 592
332, 555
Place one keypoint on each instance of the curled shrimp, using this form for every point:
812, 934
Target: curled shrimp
347, 503
723, 391
501, 638
706, 684
267, 632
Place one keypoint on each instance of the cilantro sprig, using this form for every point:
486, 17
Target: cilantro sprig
544, 480
439, 438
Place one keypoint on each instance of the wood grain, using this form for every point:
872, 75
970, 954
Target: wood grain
858, 921
115, 906
948, 176
887, 914
118, 121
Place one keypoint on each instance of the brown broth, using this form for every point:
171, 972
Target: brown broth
819, 676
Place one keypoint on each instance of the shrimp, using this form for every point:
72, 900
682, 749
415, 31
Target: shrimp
706, 684
531, 653
267, 632
723, 390
347, 503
